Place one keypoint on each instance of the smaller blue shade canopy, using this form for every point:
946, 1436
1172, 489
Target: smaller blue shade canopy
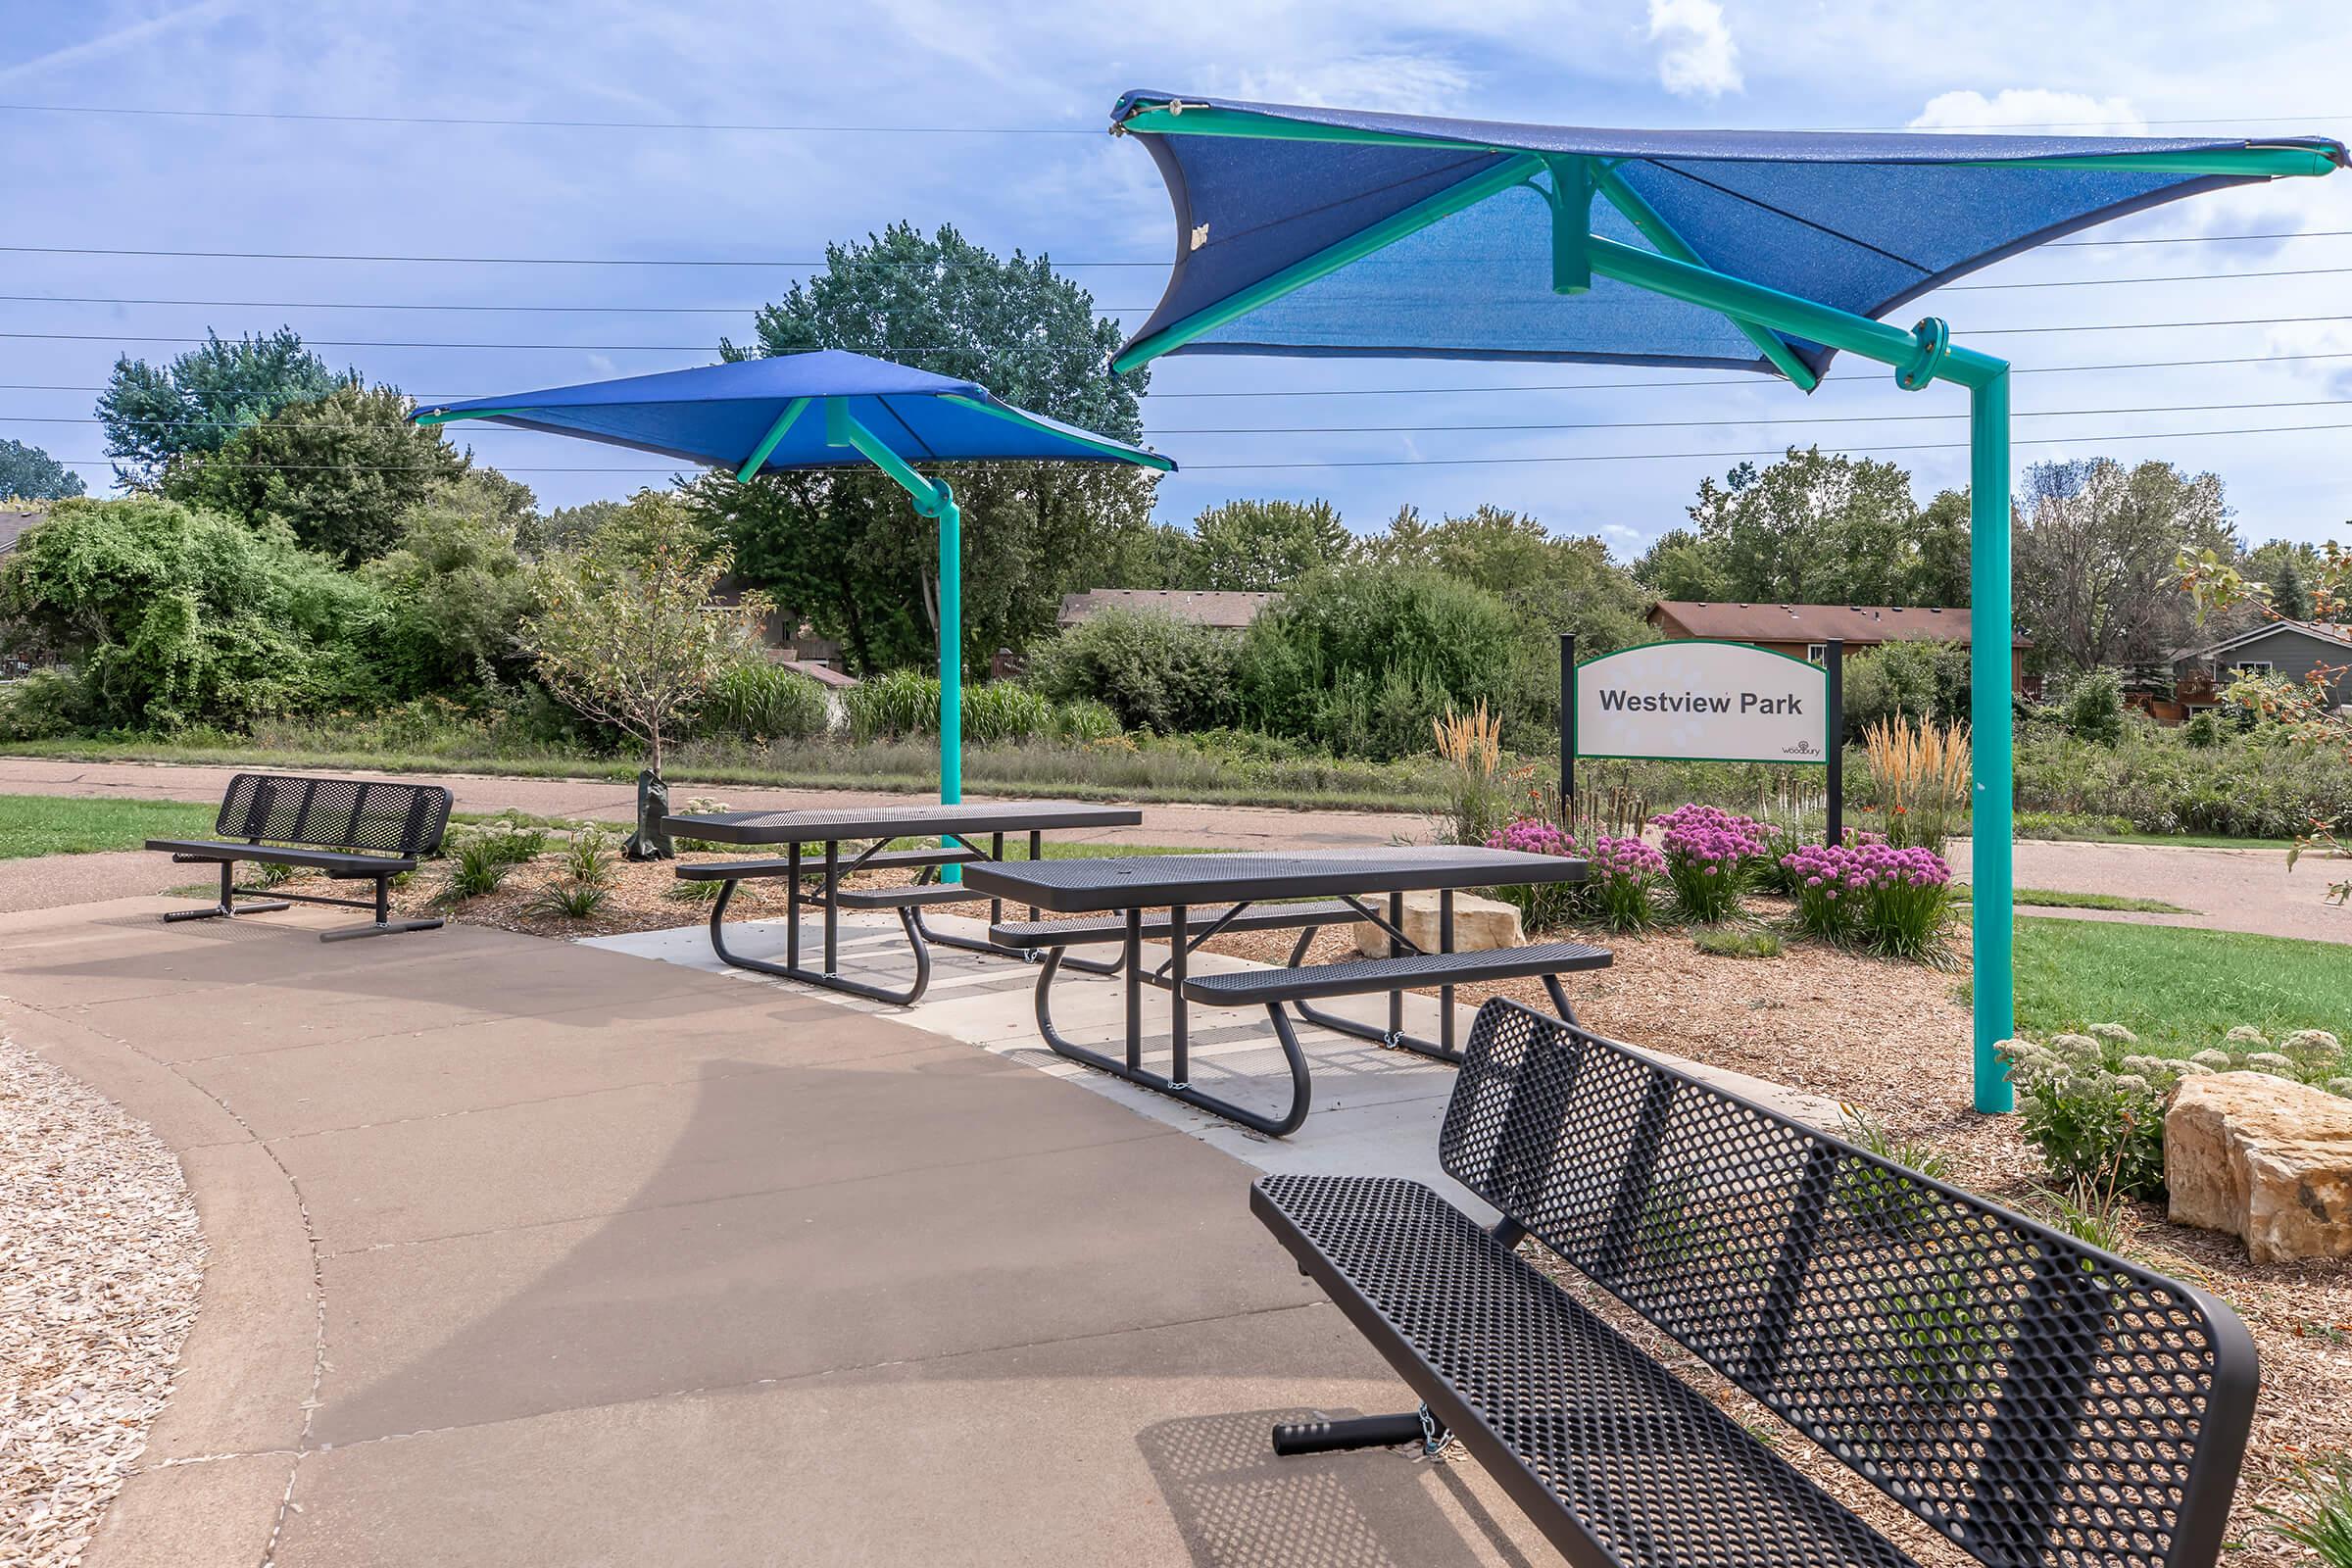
1861, 223
723, 414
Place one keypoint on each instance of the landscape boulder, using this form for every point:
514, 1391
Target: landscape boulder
1478, 924
2264, 1158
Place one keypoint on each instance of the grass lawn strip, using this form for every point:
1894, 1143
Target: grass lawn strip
2180, 989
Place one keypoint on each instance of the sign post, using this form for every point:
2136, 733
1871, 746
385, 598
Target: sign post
1833, 667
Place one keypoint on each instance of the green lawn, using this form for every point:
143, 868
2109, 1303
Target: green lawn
47, 824
2059, 899
2178, 989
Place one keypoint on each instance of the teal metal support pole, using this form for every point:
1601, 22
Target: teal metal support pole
951, 661
1991, 653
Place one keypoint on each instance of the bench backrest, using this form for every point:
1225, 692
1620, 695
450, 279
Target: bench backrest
2035, 1400
368, 816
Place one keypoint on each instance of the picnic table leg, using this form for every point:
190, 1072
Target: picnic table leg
1036, 853
792, 904
996, 852
1445, 993
832, 913
1134, 958
1179, 1014
1395, 951
1132, 1070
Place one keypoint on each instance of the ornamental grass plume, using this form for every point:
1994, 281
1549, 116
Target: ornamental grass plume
1471, 745
1920, 771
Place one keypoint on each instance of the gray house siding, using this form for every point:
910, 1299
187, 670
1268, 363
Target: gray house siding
2288, 651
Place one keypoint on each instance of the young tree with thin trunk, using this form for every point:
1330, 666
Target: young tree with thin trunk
625, 631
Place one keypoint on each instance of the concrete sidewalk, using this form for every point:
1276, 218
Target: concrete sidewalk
531, 1253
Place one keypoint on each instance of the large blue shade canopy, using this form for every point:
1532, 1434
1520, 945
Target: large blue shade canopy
1305, 231
799, 411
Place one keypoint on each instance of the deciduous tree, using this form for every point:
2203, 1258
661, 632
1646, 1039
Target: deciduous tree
28, 473
152, 414
625, 629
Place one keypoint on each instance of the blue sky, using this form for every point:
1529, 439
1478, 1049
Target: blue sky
1048, 72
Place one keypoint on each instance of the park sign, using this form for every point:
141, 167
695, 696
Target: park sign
1701, 700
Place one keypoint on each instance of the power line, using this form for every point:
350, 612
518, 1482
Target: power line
1726, 382
1042, 348
301, 117
754, 307
1387, 463
1339, 429
785, 262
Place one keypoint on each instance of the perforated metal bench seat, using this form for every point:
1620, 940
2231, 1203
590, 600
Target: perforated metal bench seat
332, 862
2035, 1402
1245, 987
815, 865
1027, 934
1513, 1364
356, 829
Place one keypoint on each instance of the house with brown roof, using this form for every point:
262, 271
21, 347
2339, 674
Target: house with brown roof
1804, 631
1227, 611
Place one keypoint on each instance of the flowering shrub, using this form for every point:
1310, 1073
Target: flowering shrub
1830, 886
1896, 900
1543, 906
1707, 853
2098, 1123
1626, 873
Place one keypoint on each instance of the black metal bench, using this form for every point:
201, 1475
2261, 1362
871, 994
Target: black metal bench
2033, 1400
351, 830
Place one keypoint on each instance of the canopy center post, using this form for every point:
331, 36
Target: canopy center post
1991, 656
1573, 185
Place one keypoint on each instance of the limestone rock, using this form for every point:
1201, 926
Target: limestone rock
1478, 924
2265, 1158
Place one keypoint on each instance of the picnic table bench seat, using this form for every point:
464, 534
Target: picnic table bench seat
1157, 924
351, 829
2037, 1402
1355, 977
807, 867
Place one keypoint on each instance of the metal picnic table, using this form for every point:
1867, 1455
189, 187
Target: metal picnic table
1331, 888
834, 827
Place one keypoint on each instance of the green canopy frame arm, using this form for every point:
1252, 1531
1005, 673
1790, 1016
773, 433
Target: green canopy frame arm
1768, 316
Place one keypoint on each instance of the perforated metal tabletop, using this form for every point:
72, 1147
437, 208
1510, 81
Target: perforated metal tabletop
1153, 881
834, 823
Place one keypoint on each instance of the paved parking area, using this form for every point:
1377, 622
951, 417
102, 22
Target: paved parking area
524, 1253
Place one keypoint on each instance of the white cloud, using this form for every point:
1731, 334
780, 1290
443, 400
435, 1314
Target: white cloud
1397, 84
2071, 113
1696, 57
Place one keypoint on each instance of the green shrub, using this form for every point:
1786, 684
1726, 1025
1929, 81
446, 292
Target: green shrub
476, 867
1151, 670
1363, 660
180, 618
454, 589
44, 704
1085, 720
764, 702
2094, 709
1915, 681
891, 707
1003, 712
2201, 731
2094, 1125
2263, 784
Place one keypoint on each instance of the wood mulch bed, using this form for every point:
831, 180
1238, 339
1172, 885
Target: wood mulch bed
1890, 1040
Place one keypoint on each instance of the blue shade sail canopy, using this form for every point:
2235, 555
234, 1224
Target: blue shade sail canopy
786, 412
1332, 232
